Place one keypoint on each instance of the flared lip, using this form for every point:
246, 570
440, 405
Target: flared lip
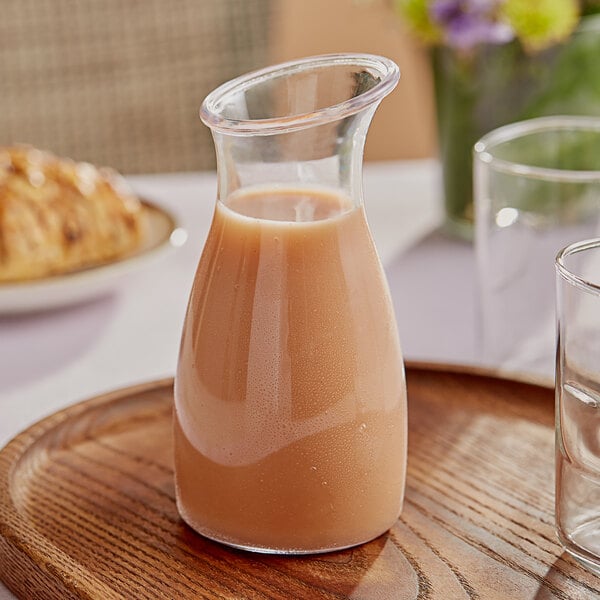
211, 110
484, 148
568, 274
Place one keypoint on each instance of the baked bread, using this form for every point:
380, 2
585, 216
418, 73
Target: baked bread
57, 215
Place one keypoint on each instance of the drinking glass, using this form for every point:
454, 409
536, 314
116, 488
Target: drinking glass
290, 398
578, 401
537, 189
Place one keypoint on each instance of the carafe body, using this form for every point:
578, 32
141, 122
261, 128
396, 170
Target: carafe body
290, 399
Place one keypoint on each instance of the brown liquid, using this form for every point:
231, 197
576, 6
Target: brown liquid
290, 420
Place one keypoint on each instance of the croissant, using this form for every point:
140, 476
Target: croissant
58, 215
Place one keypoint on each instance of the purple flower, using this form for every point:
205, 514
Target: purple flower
467, 23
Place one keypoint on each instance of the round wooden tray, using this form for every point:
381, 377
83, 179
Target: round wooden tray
87, 507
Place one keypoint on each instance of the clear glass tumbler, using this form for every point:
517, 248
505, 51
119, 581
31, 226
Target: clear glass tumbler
537, 189
290, 399
578, 401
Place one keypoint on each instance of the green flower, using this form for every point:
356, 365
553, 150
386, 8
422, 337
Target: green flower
416, 13
541, 23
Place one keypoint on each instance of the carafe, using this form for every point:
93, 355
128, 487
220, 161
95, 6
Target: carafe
290, 397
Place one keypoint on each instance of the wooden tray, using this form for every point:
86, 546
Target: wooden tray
87, 507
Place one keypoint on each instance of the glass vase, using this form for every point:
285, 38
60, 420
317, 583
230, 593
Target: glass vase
500, 84
290, 398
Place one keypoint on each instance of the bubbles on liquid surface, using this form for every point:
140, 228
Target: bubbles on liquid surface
297, 205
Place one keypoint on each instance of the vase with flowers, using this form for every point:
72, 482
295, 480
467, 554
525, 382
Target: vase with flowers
500, 61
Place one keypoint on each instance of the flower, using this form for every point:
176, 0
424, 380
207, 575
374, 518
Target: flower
466, 24
418, 17
541, 23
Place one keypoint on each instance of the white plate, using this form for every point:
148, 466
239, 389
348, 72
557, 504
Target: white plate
62, 290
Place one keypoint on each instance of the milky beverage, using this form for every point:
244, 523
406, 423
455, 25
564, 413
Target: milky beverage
290, 418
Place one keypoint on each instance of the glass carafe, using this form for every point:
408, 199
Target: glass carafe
290, 398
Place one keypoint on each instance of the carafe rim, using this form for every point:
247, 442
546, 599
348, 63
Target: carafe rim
212, 110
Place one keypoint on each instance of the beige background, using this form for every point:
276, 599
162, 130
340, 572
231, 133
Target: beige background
120, 83
404, 125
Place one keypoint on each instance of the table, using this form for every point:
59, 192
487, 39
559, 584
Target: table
50, 360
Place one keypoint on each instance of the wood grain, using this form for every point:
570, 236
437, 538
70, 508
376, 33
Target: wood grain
87, 507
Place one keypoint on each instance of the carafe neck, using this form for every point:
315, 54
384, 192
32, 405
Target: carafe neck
328, 155
301, 124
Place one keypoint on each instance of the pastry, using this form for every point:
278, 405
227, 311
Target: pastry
58, 215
